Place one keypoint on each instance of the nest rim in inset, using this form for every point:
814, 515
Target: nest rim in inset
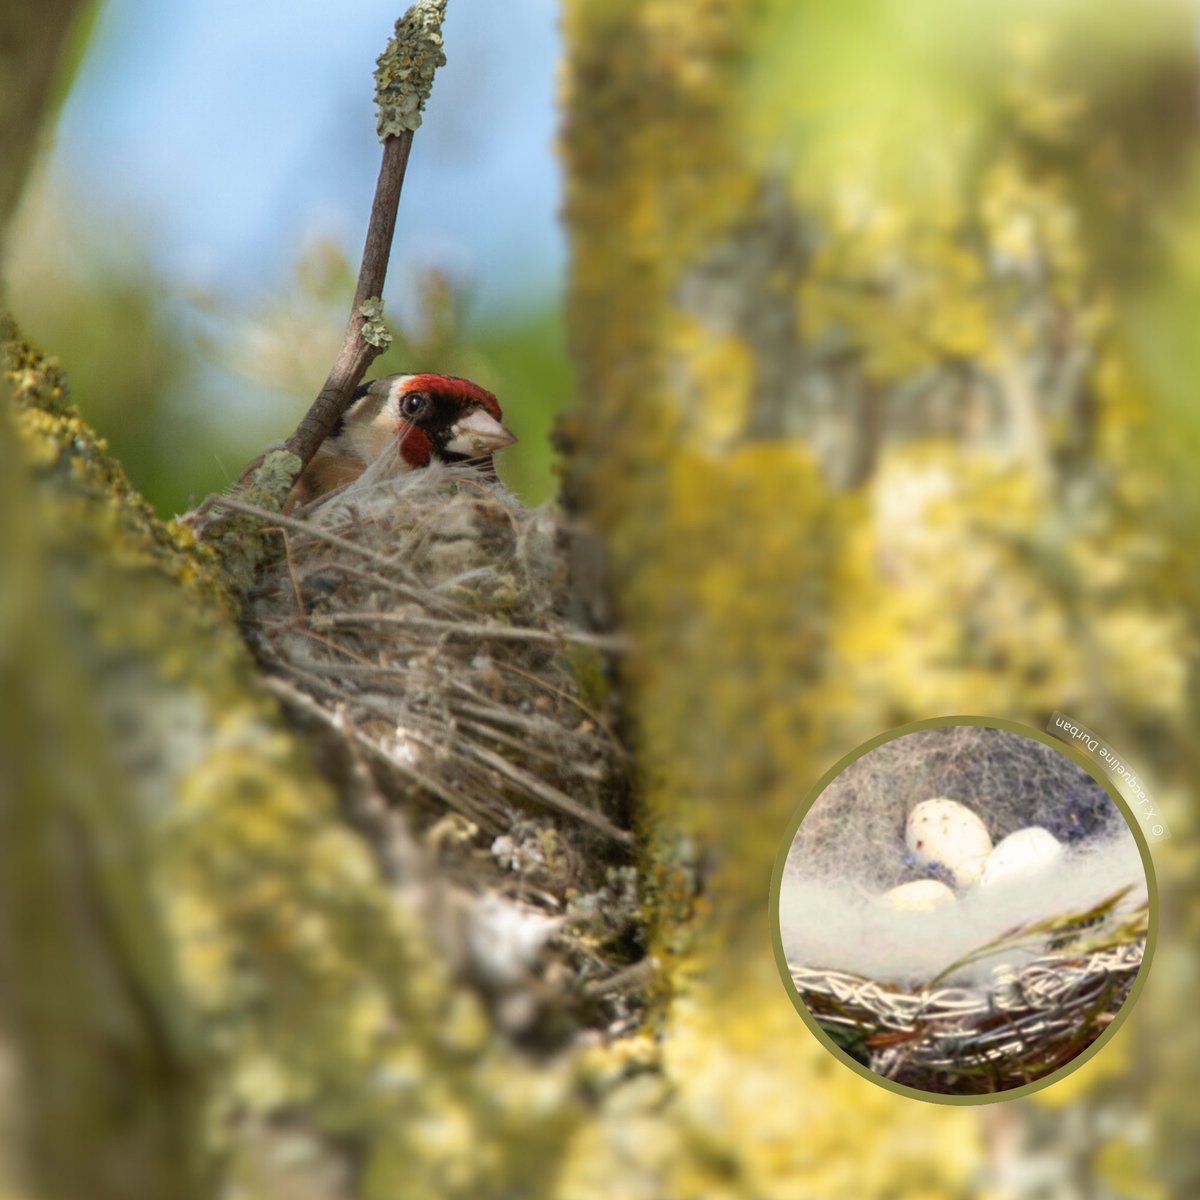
970, 1040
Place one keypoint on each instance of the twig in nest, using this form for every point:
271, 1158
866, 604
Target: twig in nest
385, 827
478, 630
634, 977
308, 707
548, 795
278, 520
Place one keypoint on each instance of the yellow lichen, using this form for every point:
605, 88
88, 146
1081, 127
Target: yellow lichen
313, 987
950, 296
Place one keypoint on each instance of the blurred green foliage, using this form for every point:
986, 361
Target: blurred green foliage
86, 287
188, 388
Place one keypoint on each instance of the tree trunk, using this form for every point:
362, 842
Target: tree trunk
780, 337
858, 421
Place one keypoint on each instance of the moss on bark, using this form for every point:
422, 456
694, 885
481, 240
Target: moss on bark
212, 976
865, 447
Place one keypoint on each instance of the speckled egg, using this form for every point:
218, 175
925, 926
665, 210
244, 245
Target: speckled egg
1021, 855
947, 833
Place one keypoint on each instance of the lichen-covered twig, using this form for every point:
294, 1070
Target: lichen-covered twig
403, 79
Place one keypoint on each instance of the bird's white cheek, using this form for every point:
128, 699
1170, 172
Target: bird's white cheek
369, 440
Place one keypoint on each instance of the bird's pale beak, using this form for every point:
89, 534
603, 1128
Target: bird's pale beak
477, 434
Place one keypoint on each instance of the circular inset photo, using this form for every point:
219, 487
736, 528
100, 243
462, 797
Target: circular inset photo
961, 911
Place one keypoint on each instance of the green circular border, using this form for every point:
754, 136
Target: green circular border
901, 1089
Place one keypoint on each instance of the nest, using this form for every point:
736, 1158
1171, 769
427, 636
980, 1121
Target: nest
1030, 1020
1001, 982
427, 629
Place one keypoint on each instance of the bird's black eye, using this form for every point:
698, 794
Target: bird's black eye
413, 404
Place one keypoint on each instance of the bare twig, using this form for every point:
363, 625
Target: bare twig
511, 633
278, 520
318, 712
632, 978
552, 796
356, 353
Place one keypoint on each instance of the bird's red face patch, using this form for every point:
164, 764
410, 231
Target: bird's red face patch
452, 385
414, 444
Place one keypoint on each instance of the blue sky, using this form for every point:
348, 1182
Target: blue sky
231, 132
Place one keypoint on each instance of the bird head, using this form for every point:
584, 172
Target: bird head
421, 418
425, 417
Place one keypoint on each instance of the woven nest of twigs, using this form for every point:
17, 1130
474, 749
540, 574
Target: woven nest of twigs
1031, 1018
1004, 979
426, 630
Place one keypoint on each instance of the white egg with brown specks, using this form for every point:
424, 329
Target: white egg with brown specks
946, 833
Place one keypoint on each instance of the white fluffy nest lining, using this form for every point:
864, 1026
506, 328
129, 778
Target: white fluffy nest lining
425, 624
1018, 965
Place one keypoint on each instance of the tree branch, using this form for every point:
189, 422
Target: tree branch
357, 353
34, 42
403, 80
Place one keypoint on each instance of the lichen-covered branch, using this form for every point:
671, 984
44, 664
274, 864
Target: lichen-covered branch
107, 1056
208, 975
404, 71
403, 80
